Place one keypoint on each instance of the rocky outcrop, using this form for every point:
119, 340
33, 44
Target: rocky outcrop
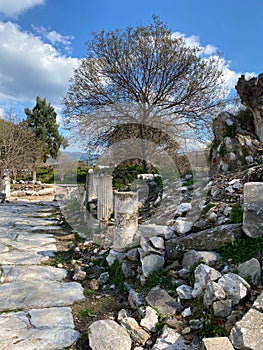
233, 147
251, 94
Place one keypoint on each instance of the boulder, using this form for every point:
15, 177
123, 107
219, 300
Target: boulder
247, 333
192, 256
151, 263
150, 319
203, 275
253, 209
136, 332
108, 334
236, 287
250, 270
170, 339
251, 94
213, 293
209, 239
219, 343
222, 308
160, 300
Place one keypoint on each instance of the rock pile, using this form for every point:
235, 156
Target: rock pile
182, 293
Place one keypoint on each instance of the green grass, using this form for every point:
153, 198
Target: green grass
116, 276
236, 215
242, 249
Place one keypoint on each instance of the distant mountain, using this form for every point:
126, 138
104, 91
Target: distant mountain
85, 157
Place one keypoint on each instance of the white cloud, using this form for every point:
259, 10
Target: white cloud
56, 39
30, 68
13, 8
229, 76
2, 113
193, 40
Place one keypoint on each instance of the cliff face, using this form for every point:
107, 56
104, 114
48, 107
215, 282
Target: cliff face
251, 95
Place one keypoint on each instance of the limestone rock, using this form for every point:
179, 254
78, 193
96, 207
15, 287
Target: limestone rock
151, 230
192, 256
213, 293
150, 319
41, 329
137, 333
182, 225
250, 269
170, 339
248, 333
33, 294
253, 209
236, 287
258, 303
209, 239
160, 300
108, 334
250, 92
184, 291
151, 263
218, 343
222, 308
204, 274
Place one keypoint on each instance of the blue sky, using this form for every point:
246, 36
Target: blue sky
41, 41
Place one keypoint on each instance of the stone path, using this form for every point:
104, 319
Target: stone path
34, 300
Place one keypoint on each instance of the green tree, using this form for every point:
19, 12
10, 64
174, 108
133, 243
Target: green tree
42, 120
146, 76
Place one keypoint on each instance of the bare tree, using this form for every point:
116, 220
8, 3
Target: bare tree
146, 76
18, 147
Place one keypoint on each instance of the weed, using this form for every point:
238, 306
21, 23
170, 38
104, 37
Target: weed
161, 322
189, 182
236, 215
88, 292
60, 258
207, 208
153, 280
242, 249
116, 275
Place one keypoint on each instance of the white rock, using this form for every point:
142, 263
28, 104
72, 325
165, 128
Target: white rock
250, 269
184, 291
236, 287
247, 333
182, 225
183, 208
187, 312
204, 274
108, 334
150, 319
213, 292
151, 263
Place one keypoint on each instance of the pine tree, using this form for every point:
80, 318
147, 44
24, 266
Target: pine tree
42, 120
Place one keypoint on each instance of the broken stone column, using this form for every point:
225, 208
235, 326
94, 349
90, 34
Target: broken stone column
105, 197
125, 220
253, 209
91, 190
7, 188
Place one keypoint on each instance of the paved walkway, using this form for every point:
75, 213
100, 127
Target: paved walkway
34, 300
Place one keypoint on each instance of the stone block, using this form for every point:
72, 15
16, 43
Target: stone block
253, 209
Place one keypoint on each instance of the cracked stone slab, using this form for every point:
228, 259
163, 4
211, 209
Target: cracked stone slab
45, 228
12, 273
22, 258
41, 329
33, 294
